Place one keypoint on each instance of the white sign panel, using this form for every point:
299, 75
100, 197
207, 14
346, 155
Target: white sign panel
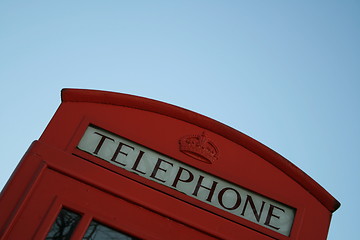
191, 181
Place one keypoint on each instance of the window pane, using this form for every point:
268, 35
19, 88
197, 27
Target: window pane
97, 231
64, 225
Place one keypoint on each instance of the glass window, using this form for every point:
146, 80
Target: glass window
97, 231
64, 225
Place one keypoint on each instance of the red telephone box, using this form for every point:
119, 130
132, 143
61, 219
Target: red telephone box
115, 166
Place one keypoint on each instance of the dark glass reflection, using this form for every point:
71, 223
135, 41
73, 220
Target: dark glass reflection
97, 231
64, 225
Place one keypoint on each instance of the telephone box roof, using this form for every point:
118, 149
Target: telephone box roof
125, 100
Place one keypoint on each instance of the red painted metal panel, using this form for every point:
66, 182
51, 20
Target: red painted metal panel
56, 172
102, 97
117, 202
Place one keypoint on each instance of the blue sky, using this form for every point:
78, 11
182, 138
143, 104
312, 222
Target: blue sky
286, 73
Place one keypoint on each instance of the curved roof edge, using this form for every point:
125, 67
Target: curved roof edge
120, 99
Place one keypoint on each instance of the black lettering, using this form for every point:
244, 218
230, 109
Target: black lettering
157, 167
178, 177
237, 202
211, 189
271, 214
137, 161
253, 208
101, 142
118, 150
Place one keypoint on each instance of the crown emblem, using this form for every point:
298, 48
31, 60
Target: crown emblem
199, 147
